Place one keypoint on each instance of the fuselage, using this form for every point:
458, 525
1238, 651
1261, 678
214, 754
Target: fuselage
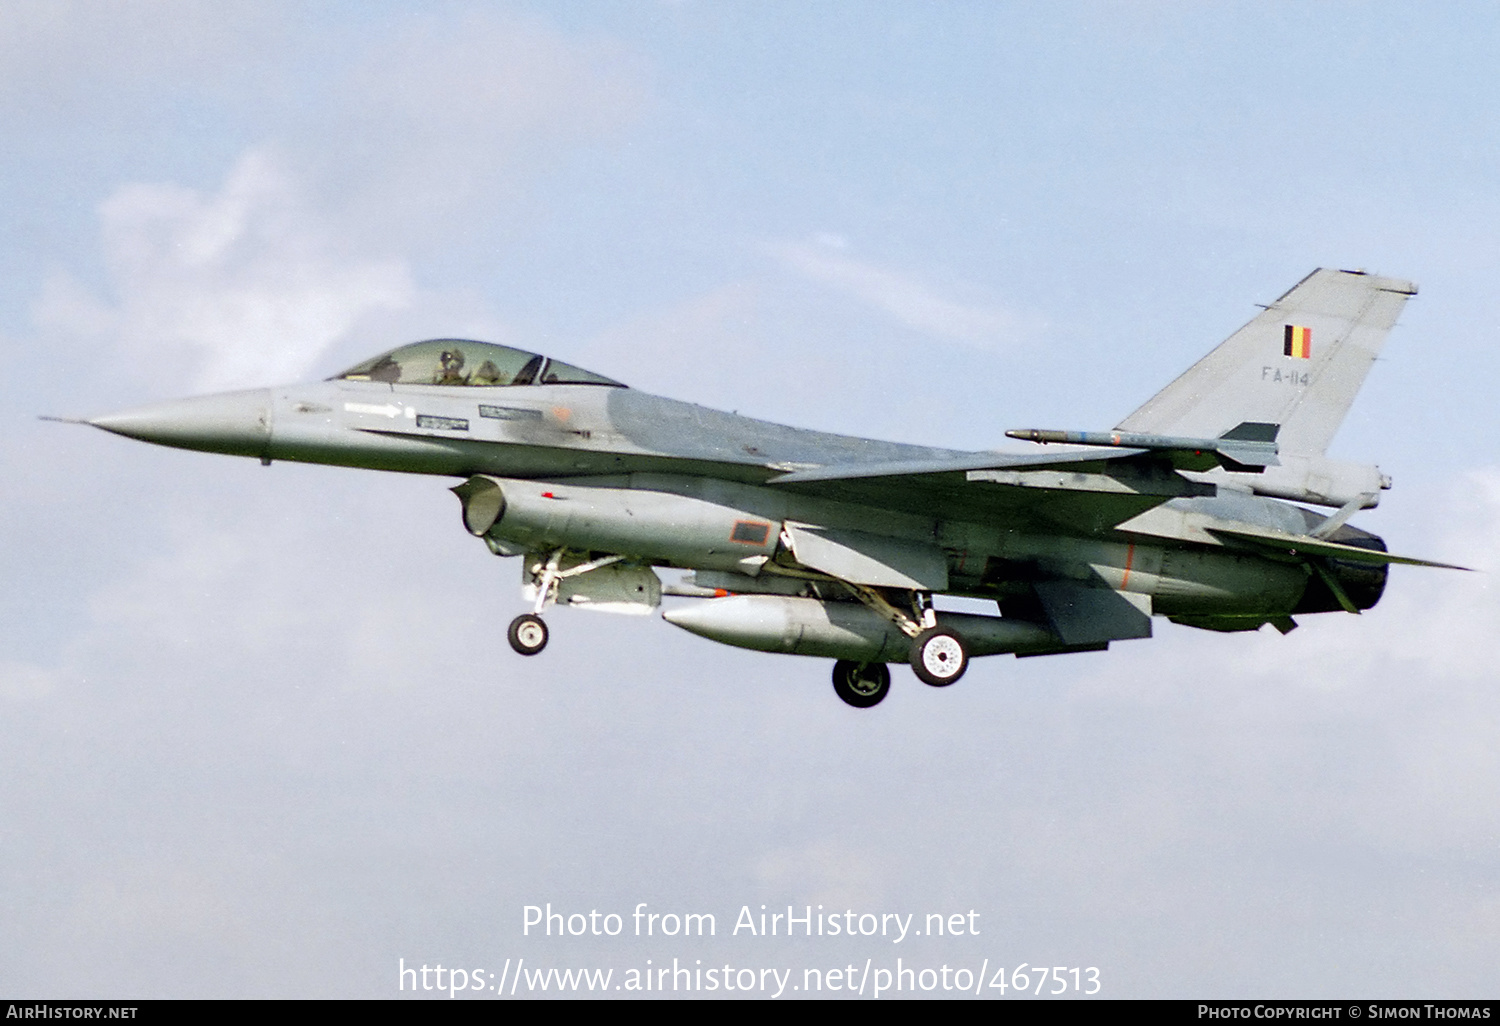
664, 482
813, 543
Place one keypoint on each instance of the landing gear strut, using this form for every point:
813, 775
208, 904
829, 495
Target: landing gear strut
527, 634
938, 654
861, 684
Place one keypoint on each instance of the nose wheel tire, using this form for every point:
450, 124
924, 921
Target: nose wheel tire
861, 684
938, 656
527, 634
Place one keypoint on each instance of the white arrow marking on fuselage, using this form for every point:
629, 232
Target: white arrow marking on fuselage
388, 410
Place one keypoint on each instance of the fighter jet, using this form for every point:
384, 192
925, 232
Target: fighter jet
1196, 507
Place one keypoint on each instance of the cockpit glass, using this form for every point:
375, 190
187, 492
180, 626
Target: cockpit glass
559, 373
451, 361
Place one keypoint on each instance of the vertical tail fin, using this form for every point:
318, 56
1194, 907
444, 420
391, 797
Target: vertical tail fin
1298, 364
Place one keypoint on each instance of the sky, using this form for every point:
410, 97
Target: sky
260, 731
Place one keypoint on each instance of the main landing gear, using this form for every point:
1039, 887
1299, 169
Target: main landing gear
861, 684
938, 656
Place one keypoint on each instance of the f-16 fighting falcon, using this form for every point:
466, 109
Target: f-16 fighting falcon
1194, 508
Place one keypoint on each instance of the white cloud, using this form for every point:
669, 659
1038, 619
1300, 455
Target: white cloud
306, 246
910, 301
247, 286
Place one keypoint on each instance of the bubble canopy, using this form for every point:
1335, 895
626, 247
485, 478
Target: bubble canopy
460, 361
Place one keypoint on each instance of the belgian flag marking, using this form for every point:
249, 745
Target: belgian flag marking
1298, 342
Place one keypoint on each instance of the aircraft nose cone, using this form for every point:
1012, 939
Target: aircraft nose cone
237, 423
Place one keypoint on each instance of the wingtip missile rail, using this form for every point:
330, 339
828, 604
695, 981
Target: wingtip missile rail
1248, 447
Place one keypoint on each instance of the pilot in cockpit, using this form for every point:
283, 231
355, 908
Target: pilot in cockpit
442, 361
452, 362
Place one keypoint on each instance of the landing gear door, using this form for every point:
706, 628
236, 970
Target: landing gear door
616, 588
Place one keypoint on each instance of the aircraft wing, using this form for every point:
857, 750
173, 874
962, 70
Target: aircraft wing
1091, 490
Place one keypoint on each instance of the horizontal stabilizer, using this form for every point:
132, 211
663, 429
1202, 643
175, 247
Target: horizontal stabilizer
1305, 545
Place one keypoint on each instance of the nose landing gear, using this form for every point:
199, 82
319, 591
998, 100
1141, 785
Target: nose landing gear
527, 634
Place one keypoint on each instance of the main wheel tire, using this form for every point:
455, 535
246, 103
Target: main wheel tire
861, 684
527, 634
939, 656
